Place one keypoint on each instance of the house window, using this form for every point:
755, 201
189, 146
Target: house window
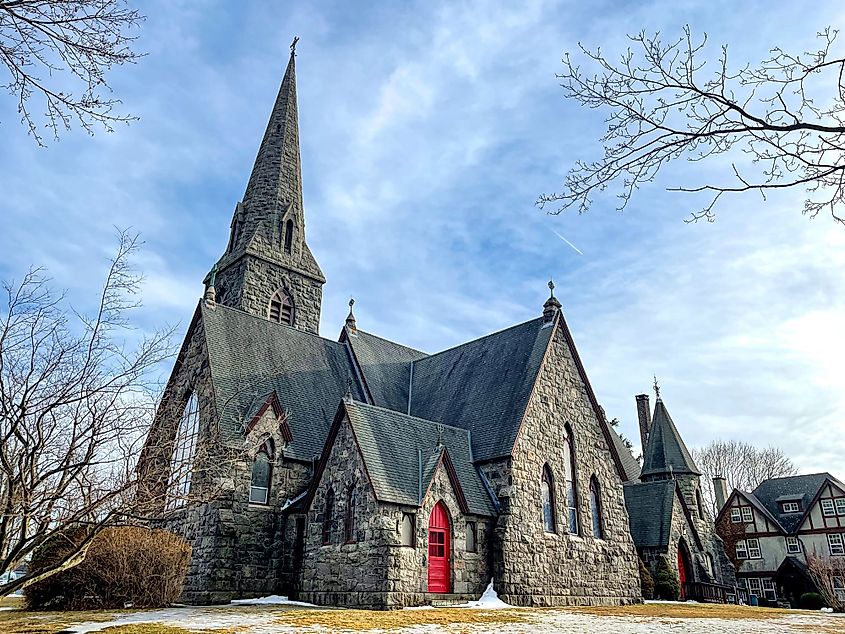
839, 588
408, 531
754, 586
834, 540
262, 474
793, 546
547, 494
349, 523
281, 308
791, 507
753, 548
736, 517
828, 509
569, 477
328, 518
472, 537
747, 515
182, 458
595, 507
769, 590
840, 506
741, 550
288, 235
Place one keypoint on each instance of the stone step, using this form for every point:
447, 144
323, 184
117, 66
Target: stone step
447, 600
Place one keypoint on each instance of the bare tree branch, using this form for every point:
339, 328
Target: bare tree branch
39, 39
662, 104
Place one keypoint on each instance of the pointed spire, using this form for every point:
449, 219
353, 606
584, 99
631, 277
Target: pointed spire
276, 179
351, 326
552, 306
665, 454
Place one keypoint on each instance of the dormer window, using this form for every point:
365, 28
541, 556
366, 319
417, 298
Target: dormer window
791, 507
281, 308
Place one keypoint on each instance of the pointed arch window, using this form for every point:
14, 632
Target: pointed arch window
182, 458
288, 237
281, 308
547, 496
349, 523
262, 473
595, 508
569, 480
328, 518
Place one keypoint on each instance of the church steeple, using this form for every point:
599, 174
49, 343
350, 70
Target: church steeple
267, 268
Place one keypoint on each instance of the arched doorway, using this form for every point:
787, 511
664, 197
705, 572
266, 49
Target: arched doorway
439, 537
684, 568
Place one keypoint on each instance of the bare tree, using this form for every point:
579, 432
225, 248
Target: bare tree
744, 466
84, 38
75, 401
781, 123
828, 575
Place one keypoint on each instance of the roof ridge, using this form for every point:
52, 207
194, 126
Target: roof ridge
395, 343
477, 339
404, 415
267, 321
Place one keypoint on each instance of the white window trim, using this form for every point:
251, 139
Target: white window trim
835, 543
793, 545
741, 549
838, 584
753, 545
791, 507
754, 586
840, 506
746, 510
736, 516
828, 508
769, 586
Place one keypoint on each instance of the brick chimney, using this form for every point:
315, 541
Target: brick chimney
644, 416
720, 488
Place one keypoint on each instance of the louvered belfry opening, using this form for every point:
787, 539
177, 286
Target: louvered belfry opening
281, 309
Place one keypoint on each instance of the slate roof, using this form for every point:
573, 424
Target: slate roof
649, 507
629, 464
386, 367
395, 447
770, 491
665, 447
482, 386
250, 357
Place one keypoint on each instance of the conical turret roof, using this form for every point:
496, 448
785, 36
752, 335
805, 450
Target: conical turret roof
666, 452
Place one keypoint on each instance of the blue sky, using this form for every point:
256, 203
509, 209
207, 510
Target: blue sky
428, 129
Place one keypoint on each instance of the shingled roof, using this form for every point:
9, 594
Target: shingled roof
482, 386
251, 357
629, 464
665, 450
649, 506
402, 454
386, 367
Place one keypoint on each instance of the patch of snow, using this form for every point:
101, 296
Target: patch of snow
7, 608
827, 610
273, 599
488, 601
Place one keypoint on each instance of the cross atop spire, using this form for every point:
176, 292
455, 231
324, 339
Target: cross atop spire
552, 306
293, 45
656, 388
350, 318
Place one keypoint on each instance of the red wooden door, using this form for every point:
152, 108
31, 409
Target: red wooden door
439, 574
682, 569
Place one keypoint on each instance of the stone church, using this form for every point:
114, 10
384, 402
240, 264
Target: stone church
357, 471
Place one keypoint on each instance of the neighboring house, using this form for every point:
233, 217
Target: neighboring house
358, 471
667, 515
770, 532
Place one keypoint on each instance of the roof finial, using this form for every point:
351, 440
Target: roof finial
293, 45
351, 326
656, 388
552, 306
210, 291
348, 396
439, 435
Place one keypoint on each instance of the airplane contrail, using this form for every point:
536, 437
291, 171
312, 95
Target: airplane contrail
567, 242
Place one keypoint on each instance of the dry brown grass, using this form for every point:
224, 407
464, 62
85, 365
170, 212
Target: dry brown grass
11, 602
688, 611
363, 620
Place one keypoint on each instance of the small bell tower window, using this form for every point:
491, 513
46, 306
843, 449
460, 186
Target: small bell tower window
288, 235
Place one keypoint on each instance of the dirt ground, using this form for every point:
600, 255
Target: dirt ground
652, 618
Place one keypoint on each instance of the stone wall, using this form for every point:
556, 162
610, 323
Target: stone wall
376, 571
534, 567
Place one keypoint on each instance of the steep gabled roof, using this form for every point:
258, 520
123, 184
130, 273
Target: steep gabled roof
385, 366
804, 487
630, 466
482, 386
665, 450
402, 454
250, 358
